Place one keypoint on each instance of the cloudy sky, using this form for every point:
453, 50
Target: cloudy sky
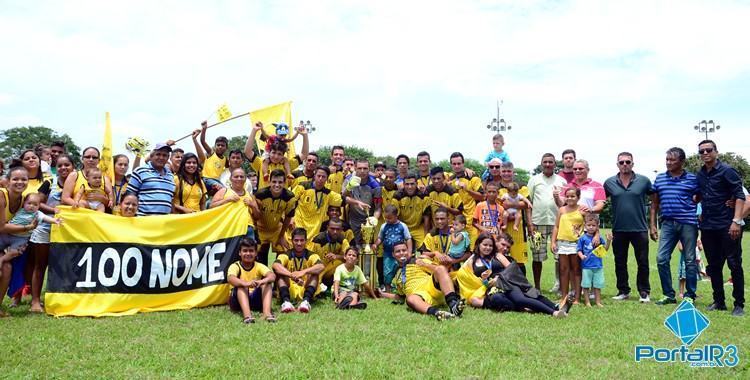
394, 77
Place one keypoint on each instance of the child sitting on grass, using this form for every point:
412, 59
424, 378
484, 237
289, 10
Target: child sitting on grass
252, 284
593, 273
347, 278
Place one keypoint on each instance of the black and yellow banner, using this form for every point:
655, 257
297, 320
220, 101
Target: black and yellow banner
104, 265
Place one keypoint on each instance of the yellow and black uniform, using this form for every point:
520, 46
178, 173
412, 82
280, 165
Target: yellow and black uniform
323, 244
414, 279
119, 190
423, 182
335, 182
188, 195
273, 210
246, 195
312, 206
292, 262
473, 183
81, 183
447, 195
214, 166
346, 229
299, 178
256, 272
257, 165
437, 241
411, 211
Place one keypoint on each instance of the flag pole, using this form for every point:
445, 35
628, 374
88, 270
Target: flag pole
213, 125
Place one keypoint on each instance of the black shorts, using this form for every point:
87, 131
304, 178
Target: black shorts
256, 300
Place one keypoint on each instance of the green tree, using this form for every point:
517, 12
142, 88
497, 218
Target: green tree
238, 143
538, 168
694, 163
15, 140
324, 153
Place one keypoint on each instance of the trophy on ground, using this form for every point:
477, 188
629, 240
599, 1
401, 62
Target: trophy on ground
368, 259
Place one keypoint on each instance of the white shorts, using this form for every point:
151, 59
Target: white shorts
567, 247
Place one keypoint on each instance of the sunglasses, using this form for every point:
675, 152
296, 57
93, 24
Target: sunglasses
706, 150
625, 162
91, 157
494, 166
578, 169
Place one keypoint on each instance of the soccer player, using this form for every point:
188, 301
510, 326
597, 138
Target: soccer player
276, 205
330, 246
298, 274
440, 194
413, 210
469, 191
415, 282
313, 201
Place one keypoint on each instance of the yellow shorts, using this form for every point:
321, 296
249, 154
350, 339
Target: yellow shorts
296, 292
424, 287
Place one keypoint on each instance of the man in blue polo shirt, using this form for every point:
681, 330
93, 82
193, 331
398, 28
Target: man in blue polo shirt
721, 226
153, 184
627, 192
673, 200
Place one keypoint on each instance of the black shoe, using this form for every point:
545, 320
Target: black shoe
738, 311
360, 306
568, 304
715, 306
457, 307
344, 304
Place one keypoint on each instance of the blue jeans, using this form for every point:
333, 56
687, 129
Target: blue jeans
671, 233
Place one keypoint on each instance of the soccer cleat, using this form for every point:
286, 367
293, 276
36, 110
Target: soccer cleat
442, 315
621, 297
644, 298
666, 301
360, 306
457, 308
304, 307
287, 307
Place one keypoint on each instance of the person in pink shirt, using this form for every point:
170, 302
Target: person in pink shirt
592, 192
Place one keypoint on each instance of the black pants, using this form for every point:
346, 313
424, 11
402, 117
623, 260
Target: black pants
720, 248
620, 243
521, 301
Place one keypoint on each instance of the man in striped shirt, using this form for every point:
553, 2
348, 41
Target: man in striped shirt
673, 199
153, 184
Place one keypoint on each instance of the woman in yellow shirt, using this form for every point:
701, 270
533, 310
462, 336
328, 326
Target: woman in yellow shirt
235, 193
190, 191
11, 200
77, 181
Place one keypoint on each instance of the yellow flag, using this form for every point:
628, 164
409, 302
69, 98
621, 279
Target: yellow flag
105, 163
278, 113
223, 112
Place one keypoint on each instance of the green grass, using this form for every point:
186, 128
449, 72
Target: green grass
382, 341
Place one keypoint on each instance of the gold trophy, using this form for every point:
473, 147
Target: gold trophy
368, 259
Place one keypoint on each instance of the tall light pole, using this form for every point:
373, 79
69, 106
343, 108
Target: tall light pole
707, 127
498, 124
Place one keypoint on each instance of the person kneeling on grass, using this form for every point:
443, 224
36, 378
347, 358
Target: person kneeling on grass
298, 274
346, 279
424, 285
252, 284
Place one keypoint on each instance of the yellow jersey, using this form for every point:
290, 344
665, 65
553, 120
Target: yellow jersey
255, 272
447, 195
312, 206
188, 195
273, 211
214, 166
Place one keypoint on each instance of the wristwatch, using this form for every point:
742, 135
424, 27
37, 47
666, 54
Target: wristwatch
739, 221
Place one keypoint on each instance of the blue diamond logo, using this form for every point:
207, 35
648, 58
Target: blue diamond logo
686, 322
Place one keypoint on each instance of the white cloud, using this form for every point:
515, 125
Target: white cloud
394, 77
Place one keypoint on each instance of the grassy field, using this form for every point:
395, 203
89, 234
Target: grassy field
384, 341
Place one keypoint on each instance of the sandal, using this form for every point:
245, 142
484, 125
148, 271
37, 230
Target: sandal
271, 319
248, 320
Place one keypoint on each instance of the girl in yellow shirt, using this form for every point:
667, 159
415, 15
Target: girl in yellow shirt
568, 228
190, 191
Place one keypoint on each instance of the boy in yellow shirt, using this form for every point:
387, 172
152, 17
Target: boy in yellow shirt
215, 161
252, 284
